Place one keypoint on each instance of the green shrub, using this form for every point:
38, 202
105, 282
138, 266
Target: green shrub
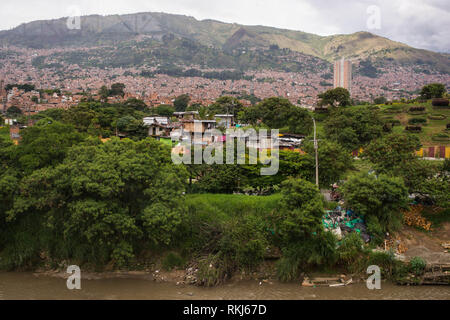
416, 109
417, 266
385, 260
172, 260
212, 271
351, 252
375, 229
288, 269
415, 128
211, 216
243, 243
316, 252
440, 102
122, 254
400, 273
417, 121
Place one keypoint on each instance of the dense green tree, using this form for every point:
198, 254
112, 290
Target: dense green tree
249, 115
135, 104
13, 112
247, 177
437, 189
164, 110
392, 151
103, 93
226, 105
335, 97
430, 179
380, 100
218, 178
301, 211
378, 199
133, 127
26, 87
433, 90
354, 127
299, 230
56, 114
9, 178
291, 164
117, 89
81, 117
45, 145
334, 161
181, 102
103, 201
279, 113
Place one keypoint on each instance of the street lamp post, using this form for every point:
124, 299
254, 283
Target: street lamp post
316, 148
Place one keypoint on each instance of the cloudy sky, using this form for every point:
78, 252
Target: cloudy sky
419, 23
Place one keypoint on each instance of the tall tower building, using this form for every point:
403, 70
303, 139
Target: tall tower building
2, 88
343, 74
3, 94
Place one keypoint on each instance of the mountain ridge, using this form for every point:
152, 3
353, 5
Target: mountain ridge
112, 29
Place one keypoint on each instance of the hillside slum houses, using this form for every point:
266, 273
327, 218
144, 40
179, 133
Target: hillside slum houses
31, 102
189, 128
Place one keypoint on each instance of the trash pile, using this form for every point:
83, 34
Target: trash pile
342, 222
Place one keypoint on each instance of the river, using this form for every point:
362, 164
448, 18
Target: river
25, 286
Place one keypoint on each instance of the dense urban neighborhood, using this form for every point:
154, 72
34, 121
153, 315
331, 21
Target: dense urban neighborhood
252, 162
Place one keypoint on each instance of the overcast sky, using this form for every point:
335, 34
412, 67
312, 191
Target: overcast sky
419, 23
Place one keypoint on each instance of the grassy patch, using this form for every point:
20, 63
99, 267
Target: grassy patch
224, 207
436, 218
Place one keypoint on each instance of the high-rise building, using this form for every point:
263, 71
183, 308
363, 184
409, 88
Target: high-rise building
3, 94
343, 74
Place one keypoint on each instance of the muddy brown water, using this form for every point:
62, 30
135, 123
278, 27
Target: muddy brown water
25, 286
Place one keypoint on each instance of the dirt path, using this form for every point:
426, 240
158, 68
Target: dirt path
427, 245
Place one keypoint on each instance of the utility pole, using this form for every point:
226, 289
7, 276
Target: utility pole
316, 148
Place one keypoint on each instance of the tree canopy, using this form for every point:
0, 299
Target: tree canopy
335, 97
104, 199
392, 151
334, 161
378, 199
181, 102
13, 112
354, 127
279, 113
433, 90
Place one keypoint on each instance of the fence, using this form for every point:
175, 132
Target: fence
439, 152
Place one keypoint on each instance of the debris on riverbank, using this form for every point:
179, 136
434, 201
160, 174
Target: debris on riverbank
342, 222
340, 281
